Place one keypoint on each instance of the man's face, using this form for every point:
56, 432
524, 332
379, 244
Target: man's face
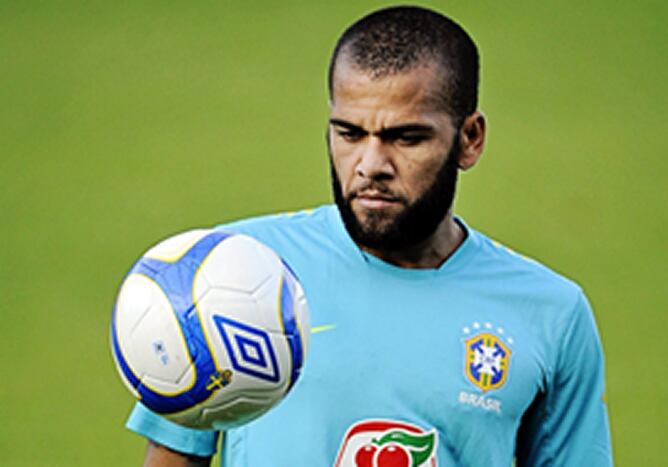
394, 156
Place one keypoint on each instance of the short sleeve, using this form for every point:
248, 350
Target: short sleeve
568, 423
157, 428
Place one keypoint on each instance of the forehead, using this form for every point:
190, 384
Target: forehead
415, 91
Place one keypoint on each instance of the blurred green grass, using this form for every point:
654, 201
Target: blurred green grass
123, 123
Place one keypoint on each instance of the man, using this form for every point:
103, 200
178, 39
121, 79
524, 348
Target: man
440, 347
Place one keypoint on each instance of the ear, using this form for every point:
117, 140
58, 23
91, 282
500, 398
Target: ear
472, 139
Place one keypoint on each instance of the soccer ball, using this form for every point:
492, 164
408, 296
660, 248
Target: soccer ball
210, 329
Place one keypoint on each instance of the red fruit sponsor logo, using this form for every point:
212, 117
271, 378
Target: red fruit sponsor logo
386, 443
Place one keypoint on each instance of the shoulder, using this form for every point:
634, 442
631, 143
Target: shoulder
298, 222
298, 237
551, 309
518, 273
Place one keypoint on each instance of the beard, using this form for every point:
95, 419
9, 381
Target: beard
414, 224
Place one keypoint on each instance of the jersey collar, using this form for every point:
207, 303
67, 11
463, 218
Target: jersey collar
458, 259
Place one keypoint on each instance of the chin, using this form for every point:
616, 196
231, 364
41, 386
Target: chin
375, 224
376, 218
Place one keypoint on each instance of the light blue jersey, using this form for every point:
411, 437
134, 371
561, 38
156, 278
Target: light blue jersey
488, 358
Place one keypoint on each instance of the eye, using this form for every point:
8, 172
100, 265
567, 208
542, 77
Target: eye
349, 135
411, 139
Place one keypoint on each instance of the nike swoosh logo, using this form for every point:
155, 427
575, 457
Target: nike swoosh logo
323, 328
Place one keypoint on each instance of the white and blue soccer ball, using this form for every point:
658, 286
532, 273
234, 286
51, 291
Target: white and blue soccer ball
210, 329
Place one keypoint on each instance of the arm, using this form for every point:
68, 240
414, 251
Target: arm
160, 456
172, 445
567, 424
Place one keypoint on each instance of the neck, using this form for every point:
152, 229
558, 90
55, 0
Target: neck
430, 253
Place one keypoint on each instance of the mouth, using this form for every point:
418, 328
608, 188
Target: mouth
375, 200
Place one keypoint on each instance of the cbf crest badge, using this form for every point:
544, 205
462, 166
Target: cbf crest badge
487, 358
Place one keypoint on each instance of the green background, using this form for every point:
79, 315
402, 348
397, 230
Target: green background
124, 122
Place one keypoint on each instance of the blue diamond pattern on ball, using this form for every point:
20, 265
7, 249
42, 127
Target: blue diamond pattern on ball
249, 349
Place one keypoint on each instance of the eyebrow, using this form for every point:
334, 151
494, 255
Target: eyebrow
386, 132
346, 125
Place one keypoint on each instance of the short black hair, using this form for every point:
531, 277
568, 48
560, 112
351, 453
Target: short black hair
398, 39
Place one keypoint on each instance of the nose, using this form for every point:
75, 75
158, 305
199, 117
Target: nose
374, 161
